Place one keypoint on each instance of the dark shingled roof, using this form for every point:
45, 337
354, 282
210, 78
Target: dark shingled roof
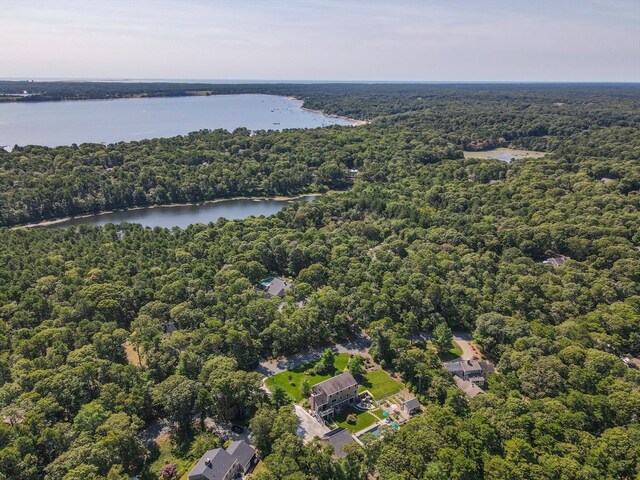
339, 438
335, 384
220, 462
412, 404
241, 451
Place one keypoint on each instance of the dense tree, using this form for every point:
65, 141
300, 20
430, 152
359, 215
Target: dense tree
176, 396
422, 238
442, 337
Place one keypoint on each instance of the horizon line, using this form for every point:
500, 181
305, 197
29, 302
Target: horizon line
221, 81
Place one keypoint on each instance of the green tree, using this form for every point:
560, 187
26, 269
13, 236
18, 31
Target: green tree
442, 337
176, 396
279, 397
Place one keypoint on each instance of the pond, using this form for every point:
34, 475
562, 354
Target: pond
184, 215
109, 121
505, 154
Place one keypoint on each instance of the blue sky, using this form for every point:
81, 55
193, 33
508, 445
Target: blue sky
401, 40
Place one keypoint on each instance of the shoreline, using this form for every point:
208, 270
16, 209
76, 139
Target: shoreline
356, 122
55, 221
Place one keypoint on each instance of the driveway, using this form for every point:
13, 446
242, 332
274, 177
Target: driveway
469, 351
359, 346
308, 427
223, 430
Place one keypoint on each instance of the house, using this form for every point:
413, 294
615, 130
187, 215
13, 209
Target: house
333, 394
471, 389
169, 327
486, 366
274, 286
411, 406
469, 370
220, 464
338, 438
556, 261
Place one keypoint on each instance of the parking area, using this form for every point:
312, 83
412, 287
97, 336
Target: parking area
308, 426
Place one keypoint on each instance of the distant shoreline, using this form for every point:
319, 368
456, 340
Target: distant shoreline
54, 221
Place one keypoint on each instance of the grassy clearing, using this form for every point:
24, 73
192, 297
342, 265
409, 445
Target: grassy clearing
293, 386
452, 354
364, 419
132, 355
379, 384
167, 456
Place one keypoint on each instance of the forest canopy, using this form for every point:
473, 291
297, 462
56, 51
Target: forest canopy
420, 237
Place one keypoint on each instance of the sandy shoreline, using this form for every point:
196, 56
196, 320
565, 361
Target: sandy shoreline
355, 121
46, 223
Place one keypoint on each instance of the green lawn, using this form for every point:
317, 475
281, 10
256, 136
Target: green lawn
452, 354
364, 419
379, 384
378, 413
297, 374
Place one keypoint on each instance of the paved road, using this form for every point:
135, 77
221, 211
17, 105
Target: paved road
309, 427
359, 346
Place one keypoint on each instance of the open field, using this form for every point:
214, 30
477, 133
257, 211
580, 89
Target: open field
292, 386
505, 154
379, 384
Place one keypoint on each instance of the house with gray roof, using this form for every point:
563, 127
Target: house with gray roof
411, 406
338, 438
469, 388
556, 261
469, 370
220, 464
274, 286
333, 394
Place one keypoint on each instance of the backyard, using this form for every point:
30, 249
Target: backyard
293, 385
379, 384
363, 419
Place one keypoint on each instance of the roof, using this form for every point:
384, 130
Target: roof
411, 404
242, 452
467, 387
277, 286
274, 286
335, 384
339, 438
487, 367
556, 261
220, 462
463, 365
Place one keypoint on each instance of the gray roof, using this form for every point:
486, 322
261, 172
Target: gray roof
220, 462
339, 438
467, 387
556, 261
487, 367
242, 452
463, 366
335, 384
411, 404
277, 287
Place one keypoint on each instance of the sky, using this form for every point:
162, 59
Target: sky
323, 40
